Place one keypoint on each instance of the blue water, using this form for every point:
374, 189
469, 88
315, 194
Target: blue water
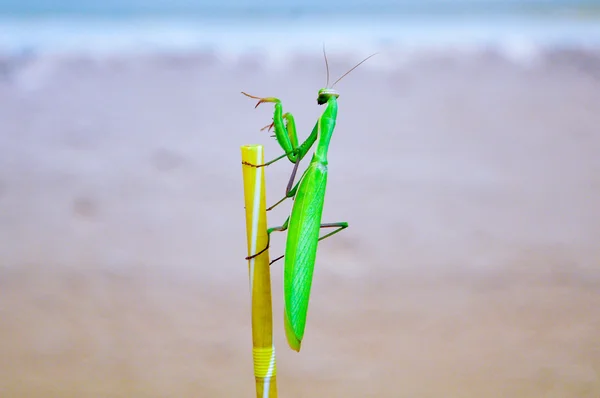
239, 25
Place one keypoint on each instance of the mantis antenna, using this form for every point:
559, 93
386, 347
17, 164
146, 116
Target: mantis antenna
355, 66
326, 65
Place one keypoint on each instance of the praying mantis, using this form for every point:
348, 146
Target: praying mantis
304, 223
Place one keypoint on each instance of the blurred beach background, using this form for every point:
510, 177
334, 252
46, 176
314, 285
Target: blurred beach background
465, 159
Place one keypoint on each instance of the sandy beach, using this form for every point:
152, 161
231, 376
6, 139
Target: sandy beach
471, 267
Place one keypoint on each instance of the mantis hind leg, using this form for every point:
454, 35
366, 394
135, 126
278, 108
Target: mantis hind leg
339, 225
280, 228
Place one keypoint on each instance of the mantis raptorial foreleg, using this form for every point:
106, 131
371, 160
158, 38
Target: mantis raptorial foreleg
285, 132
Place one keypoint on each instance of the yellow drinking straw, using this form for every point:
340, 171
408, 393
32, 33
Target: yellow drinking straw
263, 350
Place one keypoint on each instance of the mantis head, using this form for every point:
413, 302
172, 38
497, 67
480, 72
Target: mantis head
325, 94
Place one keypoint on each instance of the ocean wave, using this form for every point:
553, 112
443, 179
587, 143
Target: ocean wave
520, 39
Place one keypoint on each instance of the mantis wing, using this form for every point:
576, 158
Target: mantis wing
301, 250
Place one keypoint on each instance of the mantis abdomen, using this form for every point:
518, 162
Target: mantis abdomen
301, 249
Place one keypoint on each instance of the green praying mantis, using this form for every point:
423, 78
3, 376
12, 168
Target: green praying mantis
304, 223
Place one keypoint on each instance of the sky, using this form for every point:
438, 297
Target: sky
20, 7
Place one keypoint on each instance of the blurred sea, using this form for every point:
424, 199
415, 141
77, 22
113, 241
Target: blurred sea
132, 26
